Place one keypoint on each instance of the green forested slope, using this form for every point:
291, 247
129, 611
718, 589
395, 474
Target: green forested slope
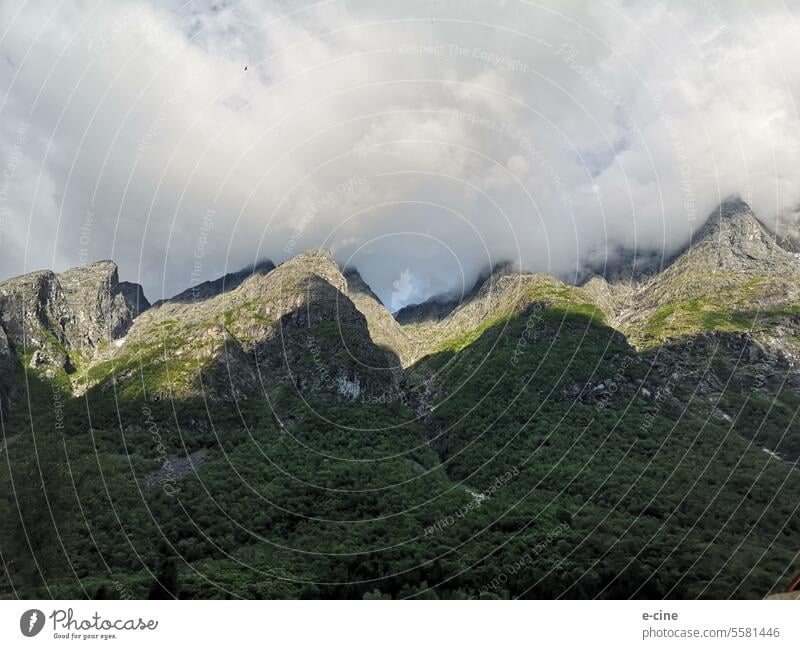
585, 491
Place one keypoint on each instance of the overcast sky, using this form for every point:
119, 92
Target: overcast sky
420, 141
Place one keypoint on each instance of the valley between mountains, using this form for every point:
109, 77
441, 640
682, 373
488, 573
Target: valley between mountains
279, 433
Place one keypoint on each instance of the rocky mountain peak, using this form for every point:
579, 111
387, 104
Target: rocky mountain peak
318, 262
732, 213
733, 277
733, 239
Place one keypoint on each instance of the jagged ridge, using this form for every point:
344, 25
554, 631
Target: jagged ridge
732, 268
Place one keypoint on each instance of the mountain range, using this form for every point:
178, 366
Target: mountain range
279, 433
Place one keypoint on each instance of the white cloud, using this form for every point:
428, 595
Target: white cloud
426, 136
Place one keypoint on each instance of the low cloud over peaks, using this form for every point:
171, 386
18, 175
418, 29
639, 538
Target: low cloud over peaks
419, 141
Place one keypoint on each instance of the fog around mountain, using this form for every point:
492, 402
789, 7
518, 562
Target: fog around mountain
420, 141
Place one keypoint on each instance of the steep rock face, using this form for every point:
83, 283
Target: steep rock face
383, 328
9, 366
57, 322
101, 308
35, 315
134, 298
